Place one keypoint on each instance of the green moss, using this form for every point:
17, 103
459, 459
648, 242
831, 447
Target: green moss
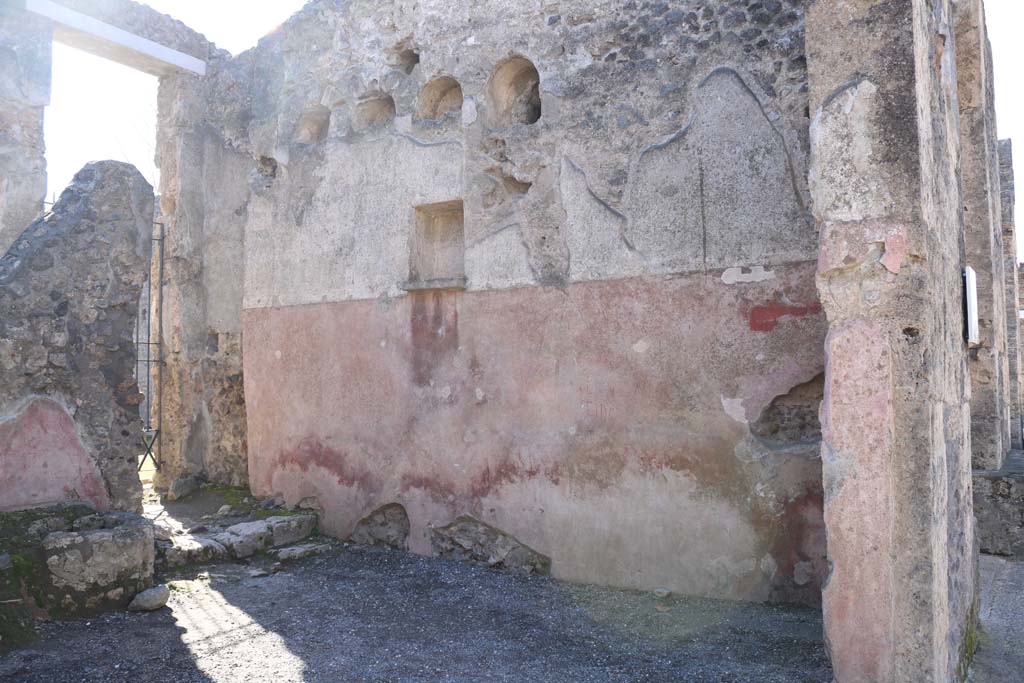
25, 576
234, 495
972, 638
278, 512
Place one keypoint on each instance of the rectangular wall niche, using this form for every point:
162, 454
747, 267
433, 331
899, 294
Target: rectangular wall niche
437, 247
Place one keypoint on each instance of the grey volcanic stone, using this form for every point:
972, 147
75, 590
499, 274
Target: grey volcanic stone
470, 539
151, 599
182, 487
387, 526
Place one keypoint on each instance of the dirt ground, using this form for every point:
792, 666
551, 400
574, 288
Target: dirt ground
360, 615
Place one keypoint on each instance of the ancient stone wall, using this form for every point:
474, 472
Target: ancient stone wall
551, 270
989, 362
900, 603
69, 293
24, 93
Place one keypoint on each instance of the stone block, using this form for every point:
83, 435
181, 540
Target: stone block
299, 552
470, 539
285, 530
99, 568
999, 511
192, 549
150, 599
387, 526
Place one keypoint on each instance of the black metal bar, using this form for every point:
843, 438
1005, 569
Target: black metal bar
160, 351
153, 356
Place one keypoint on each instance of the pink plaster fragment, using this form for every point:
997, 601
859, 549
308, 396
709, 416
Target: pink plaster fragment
845, 244
43, 462
895, 252
857, 461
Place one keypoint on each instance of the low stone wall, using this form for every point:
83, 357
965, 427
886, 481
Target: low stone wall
999, 508
69, 561
69, 292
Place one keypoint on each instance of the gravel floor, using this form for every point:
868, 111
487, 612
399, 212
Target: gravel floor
363, 615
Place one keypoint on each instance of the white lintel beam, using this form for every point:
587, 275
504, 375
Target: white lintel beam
92, 35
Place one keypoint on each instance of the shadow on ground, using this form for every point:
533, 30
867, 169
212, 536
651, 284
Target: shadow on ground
375, 616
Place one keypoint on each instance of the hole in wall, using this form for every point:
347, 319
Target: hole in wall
267, 167
437, 245
374, 110
505, 187
940, 50
513, 95
312, 126
403, 56
439, 98
407, 59
792, 418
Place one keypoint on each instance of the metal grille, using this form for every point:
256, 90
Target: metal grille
149, 353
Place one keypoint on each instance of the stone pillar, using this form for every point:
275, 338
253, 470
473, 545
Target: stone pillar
1012, 288
990, 387
204, 192
25, 53
900, 600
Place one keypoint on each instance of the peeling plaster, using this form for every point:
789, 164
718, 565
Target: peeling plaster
732, 276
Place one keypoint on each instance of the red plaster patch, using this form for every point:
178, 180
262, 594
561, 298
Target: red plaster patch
766, 318
802, 538
42, 460
434, 327
311, 452
504, 472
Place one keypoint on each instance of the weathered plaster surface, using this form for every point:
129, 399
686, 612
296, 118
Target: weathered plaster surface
586, 422
638, 265
203, 409
699, 168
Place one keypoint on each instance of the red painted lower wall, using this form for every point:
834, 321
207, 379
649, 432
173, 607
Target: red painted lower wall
603, 425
